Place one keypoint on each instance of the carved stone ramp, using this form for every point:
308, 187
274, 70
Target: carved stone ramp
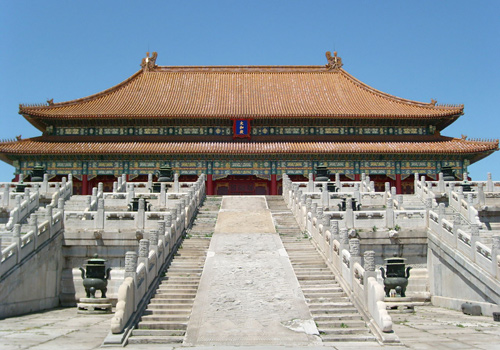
166, 317
248, 293
334, 314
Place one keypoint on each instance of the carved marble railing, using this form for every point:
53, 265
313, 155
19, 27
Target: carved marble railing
466, 240
152, 207
41, 230
342, 253
45, 189
23, 204
142, 269
307, 207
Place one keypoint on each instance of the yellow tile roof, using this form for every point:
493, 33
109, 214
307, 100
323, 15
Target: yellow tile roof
444, 146
257, 92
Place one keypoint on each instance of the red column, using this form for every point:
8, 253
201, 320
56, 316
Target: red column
210, 185
85, 185
16, 178
357, 177
398, 184
274, 185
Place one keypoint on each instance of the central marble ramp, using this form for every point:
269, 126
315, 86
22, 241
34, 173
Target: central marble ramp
248, 293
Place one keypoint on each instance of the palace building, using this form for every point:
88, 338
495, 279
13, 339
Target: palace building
244, 126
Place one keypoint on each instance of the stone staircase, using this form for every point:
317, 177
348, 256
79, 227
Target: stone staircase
76, 203
335, 316
166, 317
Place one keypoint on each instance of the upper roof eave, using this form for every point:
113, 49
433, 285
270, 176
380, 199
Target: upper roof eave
53, 111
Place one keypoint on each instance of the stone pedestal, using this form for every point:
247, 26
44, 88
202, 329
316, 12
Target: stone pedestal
402, 304
94, 306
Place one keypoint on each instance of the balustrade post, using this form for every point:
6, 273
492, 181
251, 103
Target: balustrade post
457, 221
369, 266
349, 214
60, 204
141, 214
177, 188
325, 196
168, 231
334, 230
399, 199
5, 196
48, 216
337, 182
33, 224
131, 265
153, 241
163, 194
99, 217
489, 184
389, 213
474, 237
16, 238
88, 202
415, 184
161, 236
45, 183
480, 194
144, 253
357, 193
441, 184
130, 192
310, 183
150, 183
355, 251
495, 252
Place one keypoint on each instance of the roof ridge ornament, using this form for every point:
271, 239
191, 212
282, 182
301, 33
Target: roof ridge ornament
334, 62
149, 63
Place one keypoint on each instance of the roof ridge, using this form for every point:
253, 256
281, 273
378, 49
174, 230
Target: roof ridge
82, 99
430, 105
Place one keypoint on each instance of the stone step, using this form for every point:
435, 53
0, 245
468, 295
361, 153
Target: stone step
335, 338
321, 290
163, 300
186, 270
323, 295
349, 323
175, 286
162, 318
180, 279
344, 329
156, 332
339, 318
137, 338
163, 325
330, 315
178, 312
175, 295
170, 306
325, 277
175, 291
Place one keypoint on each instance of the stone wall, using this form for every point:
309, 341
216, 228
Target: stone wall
33, 285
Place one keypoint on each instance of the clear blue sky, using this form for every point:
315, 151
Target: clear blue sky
446, 50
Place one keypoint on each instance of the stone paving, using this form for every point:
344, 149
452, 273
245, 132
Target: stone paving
428, 328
